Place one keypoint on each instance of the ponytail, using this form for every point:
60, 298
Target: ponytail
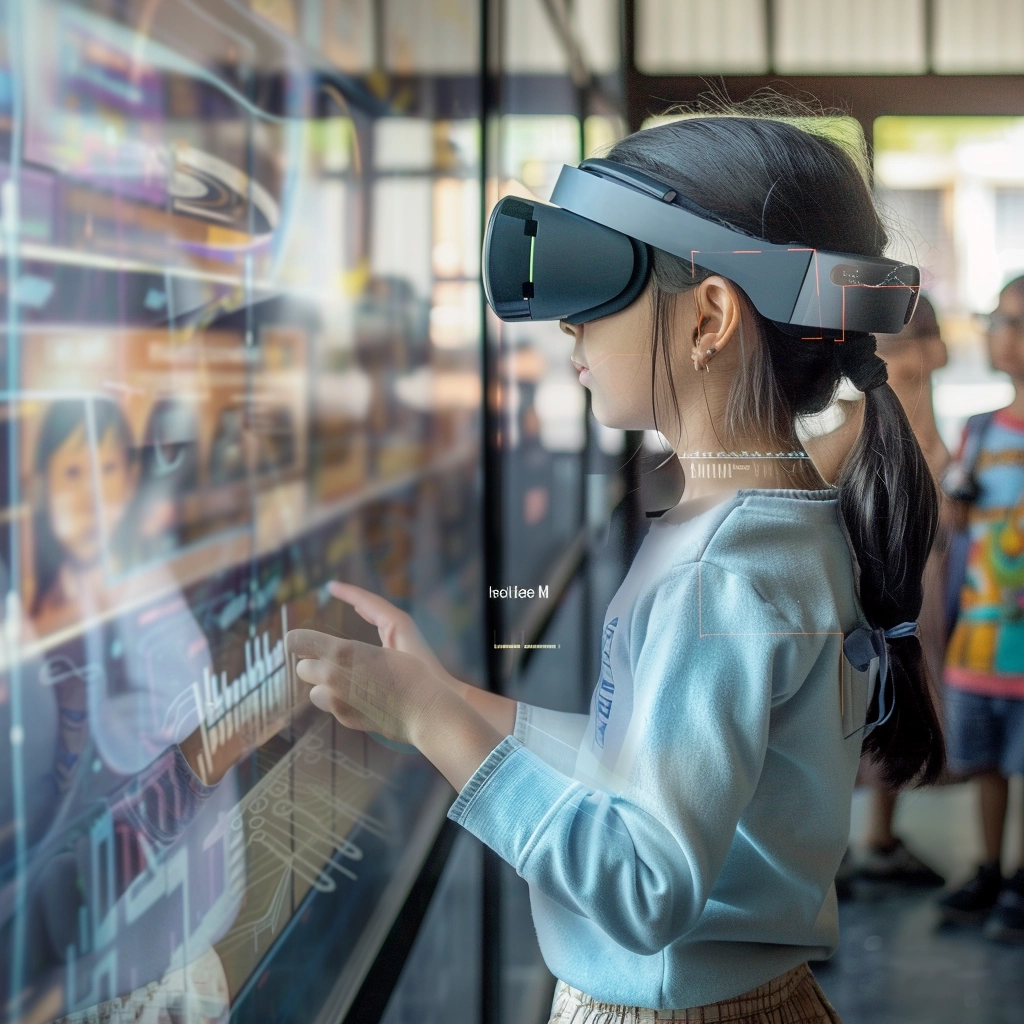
890, 506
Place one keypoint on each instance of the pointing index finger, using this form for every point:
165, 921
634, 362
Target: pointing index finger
310, 643
373, 608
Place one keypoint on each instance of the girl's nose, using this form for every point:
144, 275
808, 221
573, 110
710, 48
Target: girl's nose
573, 330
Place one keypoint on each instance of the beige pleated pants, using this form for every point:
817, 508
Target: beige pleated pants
792, 998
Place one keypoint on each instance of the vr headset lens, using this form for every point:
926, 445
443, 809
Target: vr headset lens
544, 263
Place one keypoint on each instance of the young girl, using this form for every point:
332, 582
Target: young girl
681, 840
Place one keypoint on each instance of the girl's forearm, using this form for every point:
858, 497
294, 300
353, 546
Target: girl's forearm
454, 736
499, 712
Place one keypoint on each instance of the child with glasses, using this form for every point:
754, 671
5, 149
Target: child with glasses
984, 670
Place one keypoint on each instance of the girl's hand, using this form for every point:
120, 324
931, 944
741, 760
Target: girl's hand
398, 632
396, 628
384, 690
369, 688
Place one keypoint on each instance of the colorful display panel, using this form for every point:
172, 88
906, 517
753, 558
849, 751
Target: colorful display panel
239, 358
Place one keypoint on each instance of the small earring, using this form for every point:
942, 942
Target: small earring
701, 359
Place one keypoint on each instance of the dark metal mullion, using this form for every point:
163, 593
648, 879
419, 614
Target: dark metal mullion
633, 94
379, 31
634, 100
929, 36
586, 568
491, 505
371, 1000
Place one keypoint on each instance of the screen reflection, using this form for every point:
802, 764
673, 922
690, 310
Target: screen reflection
239, 361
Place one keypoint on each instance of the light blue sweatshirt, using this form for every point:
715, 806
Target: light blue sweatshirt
681, 841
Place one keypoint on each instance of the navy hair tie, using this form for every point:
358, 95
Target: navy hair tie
861, 646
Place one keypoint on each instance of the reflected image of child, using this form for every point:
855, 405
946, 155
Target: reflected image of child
86, 478
113, 724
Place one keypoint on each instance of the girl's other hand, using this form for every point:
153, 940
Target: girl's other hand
398, 632
396, 628
372, 689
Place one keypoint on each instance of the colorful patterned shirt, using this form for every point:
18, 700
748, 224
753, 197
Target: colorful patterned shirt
986, 651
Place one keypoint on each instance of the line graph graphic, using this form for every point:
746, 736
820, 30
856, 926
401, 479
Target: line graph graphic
295, 831
248, 703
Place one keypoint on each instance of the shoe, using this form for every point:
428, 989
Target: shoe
1006, 922
898, 864
972, 903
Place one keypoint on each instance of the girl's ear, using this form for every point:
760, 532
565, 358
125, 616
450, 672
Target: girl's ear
717, 318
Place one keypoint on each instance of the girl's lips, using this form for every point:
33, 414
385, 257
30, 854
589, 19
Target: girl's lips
583, 371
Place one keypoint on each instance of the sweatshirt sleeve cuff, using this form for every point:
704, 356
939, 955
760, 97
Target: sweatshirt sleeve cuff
479, 778
508, 799
522, 721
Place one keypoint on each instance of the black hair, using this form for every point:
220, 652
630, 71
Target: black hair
1014, 287
61, 420
787, 181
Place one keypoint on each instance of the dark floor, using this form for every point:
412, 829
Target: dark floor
894, 965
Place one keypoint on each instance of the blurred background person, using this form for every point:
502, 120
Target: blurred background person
984, 671
911, 357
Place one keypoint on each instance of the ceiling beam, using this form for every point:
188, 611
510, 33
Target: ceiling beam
864, 97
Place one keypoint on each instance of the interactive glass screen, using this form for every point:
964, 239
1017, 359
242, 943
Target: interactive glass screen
238, 359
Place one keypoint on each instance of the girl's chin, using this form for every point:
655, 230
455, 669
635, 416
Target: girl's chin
609, 420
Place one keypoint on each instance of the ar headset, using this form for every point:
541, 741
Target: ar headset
586, 257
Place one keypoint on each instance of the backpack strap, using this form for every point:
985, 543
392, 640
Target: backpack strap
958, 481
974, 437
960, 485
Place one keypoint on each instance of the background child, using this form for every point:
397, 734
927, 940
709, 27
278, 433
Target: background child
984, 671
911, 357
